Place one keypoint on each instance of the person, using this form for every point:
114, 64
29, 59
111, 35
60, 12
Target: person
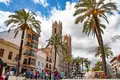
46, 75
42, 74
62, 74
7, 75
56, 74
36, 74
27, 74
31, 74
14, 70
1, 78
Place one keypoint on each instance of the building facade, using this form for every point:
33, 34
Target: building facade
49, 64
41, 60
8, 53
60, 65
30, 46
115, 63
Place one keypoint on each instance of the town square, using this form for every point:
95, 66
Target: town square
59, 39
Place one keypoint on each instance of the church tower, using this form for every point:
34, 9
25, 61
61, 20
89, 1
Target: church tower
56, 28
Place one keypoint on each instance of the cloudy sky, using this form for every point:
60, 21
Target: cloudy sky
50, 10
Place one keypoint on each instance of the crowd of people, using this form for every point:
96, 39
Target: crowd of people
34, 74
44, 75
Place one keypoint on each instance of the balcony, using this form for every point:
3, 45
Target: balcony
25, 61
30, 53
34, 37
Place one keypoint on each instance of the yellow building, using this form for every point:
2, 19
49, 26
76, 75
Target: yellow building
30, 46
9, 53
31, 40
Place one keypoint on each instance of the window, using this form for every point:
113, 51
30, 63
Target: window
1, 52
50, 66
34, 37
34, 45
42, 64
47, 65
16, 58
25, 61
10, 55
55, 30
38, 63
29, 36
47, 58
32, 61
50, 60
27, 52
28, 44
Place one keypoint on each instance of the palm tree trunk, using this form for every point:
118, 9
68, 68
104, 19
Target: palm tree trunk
20, 52
55, 57
100, 41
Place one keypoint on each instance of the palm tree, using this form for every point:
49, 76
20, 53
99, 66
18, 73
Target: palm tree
98, 66
87, 63
68, 59
107, 50
90, 12
82, 62
58, 45
22, 21
77, 62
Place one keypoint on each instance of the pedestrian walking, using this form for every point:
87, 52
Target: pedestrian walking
63, 74
55, 75
36, 74
7, 75
43, 74
46, 76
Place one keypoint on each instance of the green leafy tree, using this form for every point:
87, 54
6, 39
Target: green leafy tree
98, 66
87, 63
107, 50
22, 21
90, 12
69, 60
58, 45
77, 63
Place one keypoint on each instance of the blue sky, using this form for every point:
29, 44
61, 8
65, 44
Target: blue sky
34, 6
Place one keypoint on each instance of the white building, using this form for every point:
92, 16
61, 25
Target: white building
115, 62
41, 60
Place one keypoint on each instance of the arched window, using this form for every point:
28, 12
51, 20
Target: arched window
55, 30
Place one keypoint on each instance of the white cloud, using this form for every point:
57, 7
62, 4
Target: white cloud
82, 45
6, 1
3, 17
42, 2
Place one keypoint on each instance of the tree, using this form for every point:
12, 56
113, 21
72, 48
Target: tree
22, 21
90, 12
98, 66
77, 61
68, 59
58, 45
87, 63
107, 50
